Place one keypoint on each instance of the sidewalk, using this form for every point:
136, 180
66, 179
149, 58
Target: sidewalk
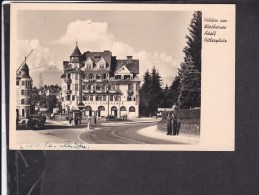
152, 132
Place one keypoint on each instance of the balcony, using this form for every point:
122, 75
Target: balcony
68, 80
68, 91
88, 91
102, 80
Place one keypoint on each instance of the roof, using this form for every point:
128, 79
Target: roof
97, 56
25, 67
76, 52
132, 65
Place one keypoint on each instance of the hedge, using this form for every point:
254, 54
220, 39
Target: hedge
190, 120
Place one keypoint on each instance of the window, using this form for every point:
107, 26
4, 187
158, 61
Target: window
98, 98
117, 76
117, 87
17, 83
76, 76
22, 101
73, 98
86, 98
102, 66
88, 66
83, 76
68, 86
22, 92
68, 76
68, 97
104, 98
23, 83
117, 98
76, 87
91, 98
111, 98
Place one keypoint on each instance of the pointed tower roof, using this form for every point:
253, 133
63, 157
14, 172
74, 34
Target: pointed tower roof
25, 66
76, 52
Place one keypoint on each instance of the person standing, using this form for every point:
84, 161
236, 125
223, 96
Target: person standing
174, 120
178, 126
169, 125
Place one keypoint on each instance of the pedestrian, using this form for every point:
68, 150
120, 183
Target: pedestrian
79, 120
70, 120
178, 118
76, 121
174, 120
169, 125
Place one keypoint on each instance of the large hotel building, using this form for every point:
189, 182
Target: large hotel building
96, 83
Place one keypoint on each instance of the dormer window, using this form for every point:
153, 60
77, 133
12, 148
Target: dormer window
102, 64
88, 64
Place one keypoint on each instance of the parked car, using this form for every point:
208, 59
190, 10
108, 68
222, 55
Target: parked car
36, 121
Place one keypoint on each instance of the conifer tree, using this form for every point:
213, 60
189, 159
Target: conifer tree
145, 94
190, 77
193, 47
156, 90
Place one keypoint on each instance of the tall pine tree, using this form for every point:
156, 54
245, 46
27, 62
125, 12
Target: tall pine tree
190, 85
145, 94
193, 48
156, 90
174, 91
190, 70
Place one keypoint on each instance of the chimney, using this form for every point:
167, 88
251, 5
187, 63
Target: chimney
129, 57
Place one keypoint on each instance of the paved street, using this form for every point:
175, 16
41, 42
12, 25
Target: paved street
132, 132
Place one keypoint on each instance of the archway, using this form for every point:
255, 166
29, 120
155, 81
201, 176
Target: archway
100, 111
132, 111
114, 111
88, 111
123, 111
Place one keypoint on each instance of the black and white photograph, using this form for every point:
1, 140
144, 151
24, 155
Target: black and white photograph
122, 75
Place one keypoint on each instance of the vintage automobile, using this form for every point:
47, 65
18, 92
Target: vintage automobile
36, 121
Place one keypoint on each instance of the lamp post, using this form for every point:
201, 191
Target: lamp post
108, 93
80, 105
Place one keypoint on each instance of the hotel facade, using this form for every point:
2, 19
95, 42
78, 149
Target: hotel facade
97, 83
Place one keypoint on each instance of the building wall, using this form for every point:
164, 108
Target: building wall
23, 97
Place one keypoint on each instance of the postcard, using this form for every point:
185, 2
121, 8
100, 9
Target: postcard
151, 77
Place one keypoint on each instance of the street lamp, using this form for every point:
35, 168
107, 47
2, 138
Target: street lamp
80, 104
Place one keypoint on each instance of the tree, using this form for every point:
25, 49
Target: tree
166, 100
193, 48
190, 71
156, 91
174, 91
190, 85
145, 94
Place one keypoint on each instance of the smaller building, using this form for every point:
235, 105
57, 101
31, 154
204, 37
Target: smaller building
23, 92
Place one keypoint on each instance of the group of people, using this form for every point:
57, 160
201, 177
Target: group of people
173, 125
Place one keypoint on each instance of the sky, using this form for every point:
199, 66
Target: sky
156, 38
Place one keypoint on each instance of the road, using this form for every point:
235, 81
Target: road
124, 134
138, 132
